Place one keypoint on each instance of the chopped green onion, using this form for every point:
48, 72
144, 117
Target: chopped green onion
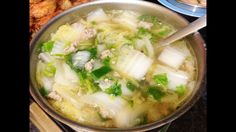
47, 46
148, 18
101, 71
50, 70
181, 90
143, 32
130, 86
106, 61
161, 79
155, 92
115, 89
93, 52
43, 91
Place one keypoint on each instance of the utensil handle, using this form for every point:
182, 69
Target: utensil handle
41, 120
191, 28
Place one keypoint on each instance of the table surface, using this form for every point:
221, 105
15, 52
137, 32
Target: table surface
192, 121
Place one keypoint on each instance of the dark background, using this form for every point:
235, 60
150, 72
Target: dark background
192, 121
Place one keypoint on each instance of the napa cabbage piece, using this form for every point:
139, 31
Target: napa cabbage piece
43, 80
162, 30
97, 15
67, 94
100, 48
68, 33
113, 38
104, 84
80, 115
46, 57
114, 107
124, 87
181, 46
86, 82
172, 57
69, 38
175, 78
133, 63
105, 101
66, 76
80, 58
58, 49
128, 19
146, 46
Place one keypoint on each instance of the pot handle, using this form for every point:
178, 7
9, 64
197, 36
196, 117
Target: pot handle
41, 120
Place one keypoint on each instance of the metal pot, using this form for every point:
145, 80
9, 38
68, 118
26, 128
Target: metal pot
143, 7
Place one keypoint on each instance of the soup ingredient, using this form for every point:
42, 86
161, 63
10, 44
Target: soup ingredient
67, 95
45, 57
148, 18
130, 86
68, 33
80, 59
115, 89
47, 47
44, 80
43, 92
175, 78
128, 20
161, 79
49, 70
172, 57
145, 45
98, 16
55, 96
155, 92
181, 90
134, 63
101, 71
66, 76
58, 49
146, 25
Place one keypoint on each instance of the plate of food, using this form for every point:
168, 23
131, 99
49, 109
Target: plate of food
195, 8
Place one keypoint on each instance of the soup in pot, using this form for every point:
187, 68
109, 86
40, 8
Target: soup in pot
104, 69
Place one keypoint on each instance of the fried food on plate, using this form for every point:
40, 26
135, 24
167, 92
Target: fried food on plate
43, 8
